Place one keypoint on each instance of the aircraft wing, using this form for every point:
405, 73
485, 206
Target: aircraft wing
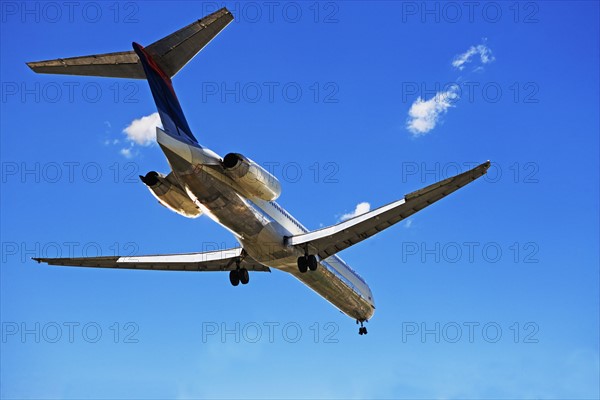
220, 260
170, 53
328, 241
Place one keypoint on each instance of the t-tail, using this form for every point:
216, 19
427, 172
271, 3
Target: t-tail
157, 63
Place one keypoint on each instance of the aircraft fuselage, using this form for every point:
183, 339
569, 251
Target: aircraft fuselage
261, 228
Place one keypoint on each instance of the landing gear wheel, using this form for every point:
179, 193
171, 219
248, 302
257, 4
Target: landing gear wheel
312, 262
234, 277
303, 264
244, 276
363, 329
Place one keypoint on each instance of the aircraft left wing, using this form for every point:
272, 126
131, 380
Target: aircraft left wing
328, 241
220, 260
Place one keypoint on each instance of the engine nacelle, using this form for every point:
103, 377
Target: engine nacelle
253, 179
170, 194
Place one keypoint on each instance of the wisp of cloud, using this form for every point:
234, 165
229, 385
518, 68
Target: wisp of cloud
424, 115
485, 56
142, 131
361, 208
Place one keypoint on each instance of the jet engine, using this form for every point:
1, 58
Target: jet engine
170, 194
253, 179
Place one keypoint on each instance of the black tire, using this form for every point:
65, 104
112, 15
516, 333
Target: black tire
234, 277
302, 264
244, 276
312, 263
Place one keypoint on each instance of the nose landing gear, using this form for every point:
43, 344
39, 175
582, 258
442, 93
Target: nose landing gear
363, 329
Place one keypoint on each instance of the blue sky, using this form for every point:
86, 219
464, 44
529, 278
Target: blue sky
509, 262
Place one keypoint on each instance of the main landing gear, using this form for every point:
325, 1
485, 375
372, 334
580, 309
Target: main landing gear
363, 329
239, 275
307, 262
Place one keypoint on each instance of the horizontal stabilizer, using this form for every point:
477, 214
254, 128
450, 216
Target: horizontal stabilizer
220, 260
170, 53
114, 65
328, 241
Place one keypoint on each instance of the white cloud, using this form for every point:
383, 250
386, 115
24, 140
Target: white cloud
424, 115
484, 52
143, 131
361, 208
126, 152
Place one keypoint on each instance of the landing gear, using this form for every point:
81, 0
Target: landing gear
307, 262
234, 277
363, 329
244, 276
312, 262
238, 276
303, 264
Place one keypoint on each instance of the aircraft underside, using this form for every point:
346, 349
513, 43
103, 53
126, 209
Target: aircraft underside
237, 192
262, 238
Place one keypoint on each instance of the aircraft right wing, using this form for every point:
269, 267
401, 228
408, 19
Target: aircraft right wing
220, 260
328, 241
171, 53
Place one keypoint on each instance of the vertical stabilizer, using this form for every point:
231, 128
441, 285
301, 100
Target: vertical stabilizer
169, 109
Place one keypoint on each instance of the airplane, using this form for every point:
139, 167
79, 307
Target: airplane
235, 191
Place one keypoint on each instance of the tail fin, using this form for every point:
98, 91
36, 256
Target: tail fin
170, 53
157, 63
169, 109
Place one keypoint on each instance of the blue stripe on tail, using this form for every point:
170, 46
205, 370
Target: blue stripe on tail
169, 109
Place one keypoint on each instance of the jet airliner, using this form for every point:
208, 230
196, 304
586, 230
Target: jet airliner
235, 191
